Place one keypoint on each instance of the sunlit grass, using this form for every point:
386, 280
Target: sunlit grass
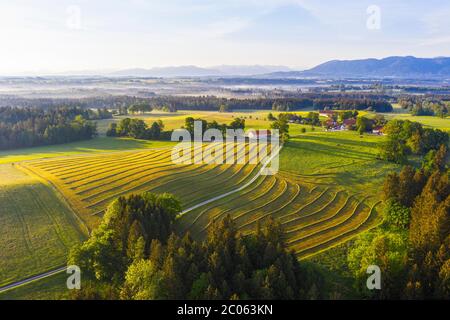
37, 228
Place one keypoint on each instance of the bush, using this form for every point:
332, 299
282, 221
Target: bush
396, 215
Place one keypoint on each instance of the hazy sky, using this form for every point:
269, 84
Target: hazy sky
59, 35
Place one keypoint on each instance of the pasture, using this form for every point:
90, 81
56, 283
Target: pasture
50, 288
427, 121
253, 119
85, 147
90, 183
37, 227
327, 191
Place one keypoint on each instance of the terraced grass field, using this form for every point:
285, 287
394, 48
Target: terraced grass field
85, 147
37, 228
326, 192
327, 189
314, 218
90, 183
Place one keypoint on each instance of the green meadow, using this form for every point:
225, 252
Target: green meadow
96, 145
36, 225
50, 288
326, 192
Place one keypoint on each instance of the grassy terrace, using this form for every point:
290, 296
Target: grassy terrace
327, 191
97, 145
90, 183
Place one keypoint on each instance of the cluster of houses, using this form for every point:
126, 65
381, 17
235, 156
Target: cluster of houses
332, 124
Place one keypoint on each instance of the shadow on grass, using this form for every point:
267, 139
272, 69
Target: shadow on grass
312, 147
330, 139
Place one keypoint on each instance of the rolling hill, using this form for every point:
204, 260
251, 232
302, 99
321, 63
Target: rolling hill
395, 67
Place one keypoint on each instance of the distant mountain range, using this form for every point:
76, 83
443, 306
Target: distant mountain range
194, 71
395, 67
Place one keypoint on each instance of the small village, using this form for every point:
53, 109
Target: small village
336, 120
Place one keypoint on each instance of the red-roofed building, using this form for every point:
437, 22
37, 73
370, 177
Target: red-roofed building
348, 123
326, 113
378, 130
258, 134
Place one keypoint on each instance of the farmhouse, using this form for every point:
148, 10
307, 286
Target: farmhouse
378, 130
349, 123
326, 113
258, 134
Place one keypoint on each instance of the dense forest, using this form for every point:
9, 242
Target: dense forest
29, 127
213, 103
100, 102
282, 102
135, 254
412, 247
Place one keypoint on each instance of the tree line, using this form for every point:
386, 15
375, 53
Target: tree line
135, 253
99, 102
412, 247
138, 129
236, 124
285, 102
406, 137
29, 127
213, 103
426, 106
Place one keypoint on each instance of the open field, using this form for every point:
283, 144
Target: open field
51, 288
314, 218
253, 119
324, 176
97, 145
327, 191
341, 158
427, 121
37, 227
90, 183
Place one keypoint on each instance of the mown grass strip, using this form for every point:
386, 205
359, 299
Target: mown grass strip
341, 238
234, 208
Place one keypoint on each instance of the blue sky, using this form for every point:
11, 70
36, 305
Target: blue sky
60, 35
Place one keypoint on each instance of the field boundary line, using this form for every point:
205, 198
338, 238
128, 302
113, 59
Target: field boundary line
61, 269
201, 204
59, 194
32, 279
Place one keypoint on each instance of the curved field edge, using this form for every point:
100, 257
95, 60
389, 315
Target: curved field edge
38, 228
364, 214
59, 194
346, 239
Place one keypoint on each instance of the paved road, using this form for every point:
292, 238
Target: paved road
32, 279
62, 269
